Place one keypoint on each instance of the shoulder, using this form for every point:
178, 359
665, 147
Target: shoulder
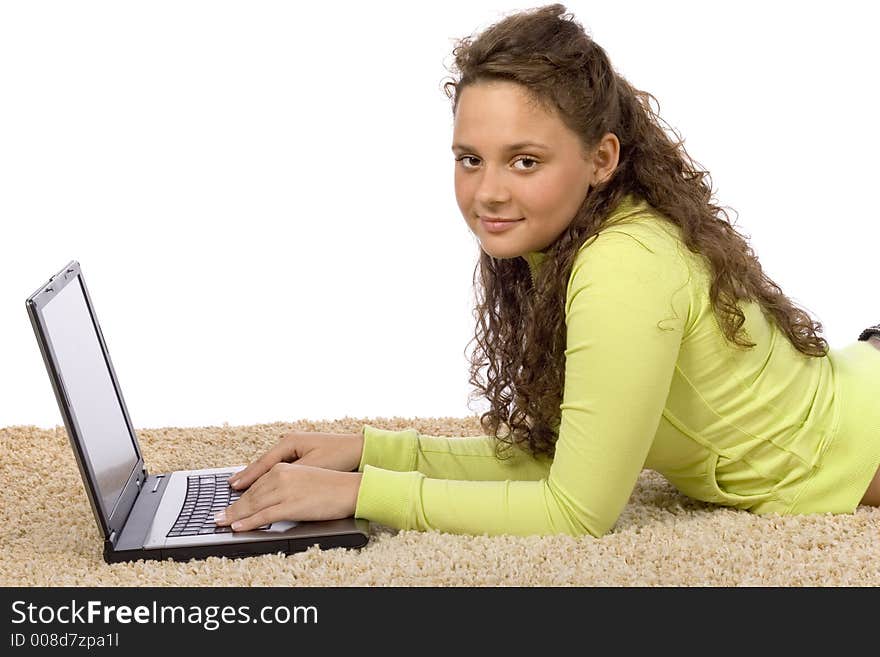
640, 258
646, 238
648, 227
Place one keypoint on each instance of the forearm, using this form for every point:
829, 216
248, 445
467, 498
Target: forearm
409, 500
468, 458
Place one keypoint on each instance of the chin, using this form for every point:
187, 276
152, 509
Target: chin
501, 253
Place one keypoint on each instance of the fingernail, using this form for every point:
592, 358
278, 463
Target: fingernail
233, 482
236, 525
220, 516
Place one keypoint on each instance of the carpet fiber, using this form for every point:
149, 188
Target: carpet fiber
49, 536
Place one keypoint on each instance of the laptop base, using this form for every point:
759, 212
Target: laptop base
129, 545
234, 550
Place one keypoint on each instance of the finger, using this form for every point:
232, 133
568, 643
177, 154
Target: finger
264, 482
248, 504
263, 517
258, 468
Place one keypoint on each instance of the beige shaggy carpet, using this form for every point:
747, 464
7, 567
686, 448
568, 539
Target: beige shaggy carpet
49, 536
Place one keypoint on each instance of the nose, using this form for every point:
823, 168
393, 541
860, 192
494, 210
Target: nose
492, 189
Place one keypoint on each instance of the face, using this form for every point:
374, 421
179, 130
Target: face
540, 184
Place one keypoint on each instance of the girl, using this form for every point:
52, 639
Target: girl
624, 323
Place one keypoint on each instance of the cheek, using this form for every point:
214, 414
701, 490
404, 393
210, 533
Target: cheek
560, 196
463, 195
535, 198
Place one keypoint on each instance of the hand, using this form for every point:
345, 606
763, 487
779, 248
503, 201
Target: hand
335, 451
290, 491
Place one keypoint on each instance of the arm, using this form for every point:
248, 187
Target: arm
471, 458
625, 311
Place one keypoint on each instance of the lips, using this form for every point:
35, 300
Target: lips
498, 226
498, 219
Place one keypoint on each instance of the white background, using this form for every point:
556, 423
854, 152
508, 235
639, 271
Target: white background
261, 194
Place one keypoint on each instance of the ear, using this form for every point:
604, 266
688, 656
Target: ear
605, 157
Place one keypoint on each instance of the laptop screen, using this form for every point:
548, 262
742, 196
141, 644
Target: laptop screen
85, 375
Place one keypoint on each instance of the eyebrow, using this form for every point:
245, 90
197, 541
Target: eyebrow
509, 148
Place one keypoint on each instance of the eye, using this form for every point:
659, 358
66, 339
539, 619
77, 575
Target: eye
463, 158
532, 160
528, 159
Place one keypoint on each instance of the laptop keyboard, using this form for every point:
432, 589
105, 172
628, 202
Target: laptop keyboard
205, 496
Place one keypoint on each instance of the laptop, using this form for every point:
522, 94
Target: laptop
143, 515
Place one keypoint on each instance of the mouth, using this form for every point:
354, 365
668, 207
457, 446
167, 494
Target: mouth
493, 225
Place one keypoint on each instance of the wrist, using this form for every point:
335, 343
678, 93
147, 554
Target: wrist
356, 478
358, 451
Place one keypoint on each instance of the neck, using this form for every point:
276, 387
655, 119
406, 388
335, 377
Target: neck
628, 204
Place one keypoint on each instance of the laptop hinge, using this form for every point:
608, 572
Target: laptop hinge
137, 483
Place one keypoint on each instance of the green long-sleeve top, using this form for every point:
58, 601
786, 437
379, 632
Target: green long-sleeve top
650, 382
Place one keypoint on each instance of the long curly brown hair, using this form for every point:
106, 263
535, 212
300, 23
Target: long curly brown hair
520, 331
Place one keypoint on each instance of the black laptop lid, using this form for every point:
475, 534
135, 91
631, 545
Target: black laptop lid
88, 394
